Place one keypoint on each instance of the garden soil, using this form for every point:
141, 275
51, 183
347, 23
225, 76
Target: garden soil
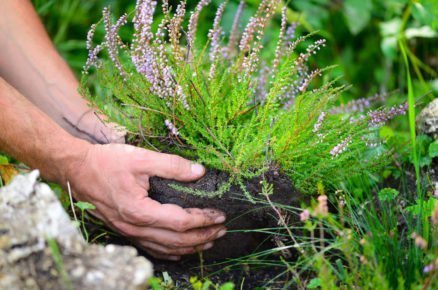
245, 221
243, 216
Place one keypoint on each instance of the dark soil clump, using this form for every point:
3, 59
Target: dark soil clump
242, 214
243, 276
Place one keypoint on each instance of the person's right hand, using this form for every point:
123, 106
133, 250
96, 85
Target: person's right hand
115, 179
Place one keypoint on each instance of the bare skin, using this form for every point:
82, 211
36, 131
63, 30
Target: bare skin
47, 125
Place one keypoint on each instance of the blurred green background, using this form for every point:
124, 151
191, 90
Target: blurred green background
361, 36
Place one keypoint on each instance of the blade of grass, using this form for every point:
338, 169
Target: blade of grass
57, 257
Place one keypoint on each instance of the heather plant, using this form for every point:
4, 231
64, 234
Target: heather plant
220, 102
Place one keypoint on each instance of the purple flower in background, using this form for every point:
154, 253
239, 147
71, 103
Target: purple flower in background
358, 105
340, 148
318, 123
379, 117
304, 215
289, 35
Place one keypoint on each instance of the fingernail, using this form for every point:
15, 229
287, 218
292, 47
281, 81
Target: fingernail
219, 219
207, 246
198, 169
221, 234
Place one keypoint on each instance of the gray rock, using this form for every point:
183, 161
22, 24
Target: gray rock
427, 121
40, 248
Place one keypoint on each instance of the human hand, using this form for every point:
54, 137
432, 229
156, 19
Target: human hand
93, 127
115, 179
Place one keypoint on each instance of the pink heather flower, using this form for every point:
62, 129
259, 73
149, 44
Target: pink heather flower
255, 30
318, 123
279, 50
151, 60
171, 127
310, 50
428, 268
289, 35
379, 117
431, 267
182, 97
143, 20
193, 21
214, 35
112, 39
340, 148
304, 215
92, 51
175, 30
248, 34
234, 35
358, 105
257, 23
306, 81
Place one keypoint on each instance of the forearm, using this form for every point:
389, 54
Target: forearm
30, 63
32, 137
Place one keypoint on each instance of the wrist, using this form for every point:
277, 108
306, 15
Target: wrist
69, 159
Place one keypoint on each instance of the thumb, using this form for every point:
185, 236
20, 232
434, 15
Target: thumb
172, 167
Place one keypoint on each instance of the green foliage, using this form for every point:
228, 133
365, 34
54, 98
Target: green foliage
224, 120
387, 194
357, 14
195, 283
4, 160
433, 149
367, 245
84, 206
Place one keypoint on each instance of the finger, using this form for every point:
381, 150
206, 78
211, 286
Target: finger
159, 256
163, 250
171, 166
148, 212
170, 238
173, 217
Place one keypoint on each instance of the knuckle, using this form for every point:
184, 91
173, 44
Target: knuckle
125, 229
177, 164
182, 224
127, 214
204, 234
